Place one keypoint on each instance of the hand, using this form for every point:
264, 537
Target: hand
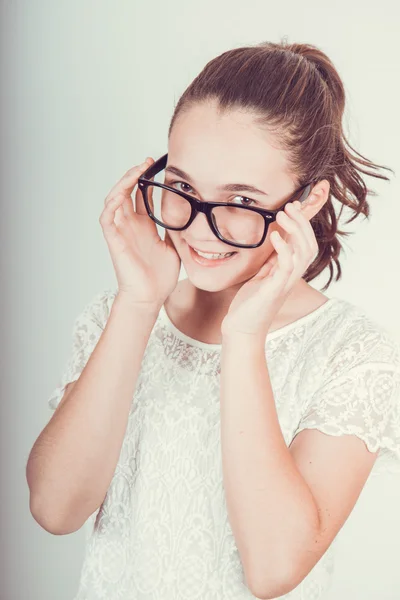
258, 301
147, 267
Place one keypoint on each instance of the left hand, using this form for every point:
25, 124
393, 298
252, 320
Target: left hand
258, 301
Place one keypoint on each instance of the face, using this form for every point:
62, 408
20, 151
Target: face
213, 151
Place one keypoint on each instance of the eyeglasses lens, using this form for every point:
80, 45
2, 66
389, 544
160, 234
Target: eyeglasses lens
234, 223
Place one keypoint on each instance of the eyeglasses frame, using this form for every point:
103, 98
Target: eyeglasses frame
205, 207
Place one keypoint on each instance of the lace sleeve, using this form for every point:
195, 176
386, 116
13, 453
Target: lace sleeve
86, 332
361, 396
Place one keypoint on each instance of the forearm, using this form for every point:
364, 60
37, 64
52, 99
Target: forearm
271, 509
72, 462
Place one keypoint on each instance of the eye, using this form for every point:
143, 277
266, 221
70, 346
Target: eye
173, 183
247, 201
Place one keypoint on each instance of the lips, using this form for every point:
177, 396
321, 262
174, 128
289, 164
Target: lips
212, 257
209, 262
210, 251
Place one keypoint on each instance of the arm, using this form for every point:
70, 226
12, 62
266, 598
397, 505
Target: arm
285, 505
72, 462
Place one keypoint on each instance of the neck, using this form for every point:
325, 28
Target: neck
215, 305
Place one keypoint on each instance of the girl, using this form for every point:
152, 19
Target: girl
215, 433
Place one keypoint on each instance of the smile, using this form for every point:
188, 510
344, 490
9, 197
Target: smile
209, 259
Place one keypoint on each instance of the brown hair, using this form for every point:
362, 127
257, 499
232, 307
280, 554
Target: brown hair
295, 92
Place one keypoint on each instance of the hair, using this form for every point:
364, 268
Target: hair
295, 92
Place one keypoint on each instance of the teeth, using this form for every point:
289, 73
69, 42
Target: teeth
213, 256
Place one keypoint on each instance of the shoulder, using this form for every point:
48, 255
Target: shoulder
344, 341
359, 337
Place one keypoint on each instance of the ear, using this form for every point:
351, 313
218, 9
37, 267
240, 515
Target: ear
316, 199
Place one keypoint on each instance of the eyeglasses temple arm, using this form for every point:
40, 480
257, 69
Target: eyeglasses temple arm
155, 168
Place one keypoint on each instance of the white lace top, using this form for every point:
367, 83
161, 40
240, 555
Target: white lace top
162, 531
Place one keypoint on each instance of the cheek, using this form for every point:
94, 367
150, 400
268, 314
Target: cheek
253, 260
265, 252
256, 257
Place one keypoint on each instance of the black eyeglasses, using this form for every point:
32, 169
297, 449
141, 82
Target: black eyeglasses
180, 210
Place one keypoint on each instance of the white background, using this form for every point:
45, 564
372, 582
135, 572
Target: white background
88, 89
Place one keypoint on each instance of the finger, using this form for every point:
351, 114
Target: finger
296, 214
265, 271
128, 207
107, 217
168, 240
119, 215
126, 184
267, 267
297, 236
286, 223
150, 197
285, 264
139, 202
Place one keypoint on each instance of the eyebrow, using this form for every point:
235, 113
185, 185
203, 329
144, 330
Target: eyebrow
229, 187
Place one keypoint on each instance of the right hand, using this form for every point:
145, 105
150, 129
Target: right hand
147, 267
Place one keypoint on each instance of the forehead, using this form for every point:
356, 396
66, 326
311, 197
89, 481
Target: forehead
226, 147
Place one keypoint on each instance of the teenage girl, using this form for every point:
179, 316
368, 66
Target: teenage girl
214, 433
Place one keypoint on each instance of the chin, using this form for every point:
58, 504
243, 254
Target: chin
209, 286
214, 279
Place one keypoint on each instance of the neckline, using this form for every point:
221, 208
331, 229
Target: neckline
271, 335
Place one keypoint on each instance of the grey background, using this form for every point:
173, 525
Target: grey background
87, 91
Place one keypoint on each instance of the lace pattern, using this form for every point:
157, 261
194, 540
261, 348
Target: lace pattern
86, 331
359, 393
162, 531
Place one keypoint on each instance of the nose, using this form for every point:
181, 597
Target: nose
199, 227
